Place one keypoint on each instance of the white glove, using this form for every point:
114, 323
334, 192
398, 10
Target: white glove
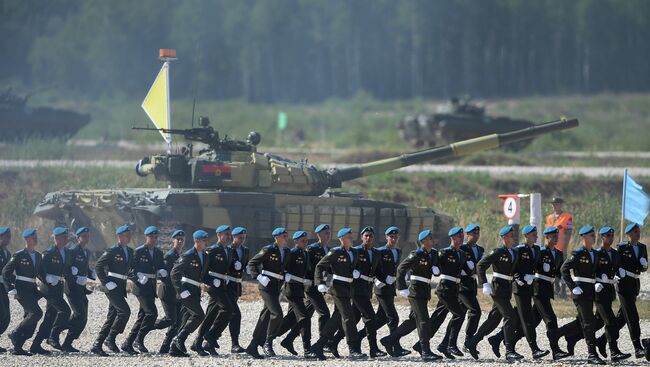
162, 273
82, 280
51, 280
546, 267
379, 284
528, 278
111, 285
93, 274
12, 293
142, 279
217, 283
263, 279
599, 287
323, 288
616, 279
643, 262
237, 265
390, 279
487, 289
74, 270
435, 270
604, 277
621, 273
577, 291
519, 282
185, 294
462, 272
404, 292
356, 274
287, 278
470, 264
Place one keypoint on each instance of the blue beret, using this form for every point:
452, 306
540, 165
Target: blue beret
551, 229
4, 230
200, 234
424, 234
529, 228
122, 229
472, 227
391, 230
59, 231
454, 231
178, 232
585, 230
299, 234
238, 230
29, 232
630, 227
81, 230
505, 230
322, 227
278, 231
150, 230
605, 230
222, 228
343, 231
367, 229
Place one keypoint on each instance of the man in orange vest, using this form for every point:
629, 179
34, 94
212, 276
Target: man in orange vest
563, 221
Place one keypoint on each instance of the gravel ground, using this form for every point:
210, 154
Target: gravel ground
250, 311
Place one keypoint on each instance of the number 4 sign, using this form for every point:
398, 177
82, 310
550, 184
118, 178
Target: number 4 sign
511, 208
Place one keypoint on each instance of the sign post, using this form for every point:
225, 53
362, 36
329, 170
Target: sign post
512, 211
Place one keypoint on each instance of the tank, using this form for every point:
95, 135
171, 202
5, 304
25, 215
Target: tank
458, 119
19, 121
231, 182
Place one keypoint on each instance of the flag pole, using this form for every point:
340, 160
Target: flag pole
169, 122
623, 205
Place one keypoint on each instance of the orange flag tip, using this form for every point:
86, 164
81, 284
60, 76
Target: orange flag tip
167, 53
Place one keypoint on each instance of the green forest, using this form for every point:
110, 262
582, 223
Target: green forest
304, 51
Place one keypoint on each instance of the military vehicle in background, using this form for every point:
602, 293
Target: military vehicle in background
459, 119
19, 121
230, 181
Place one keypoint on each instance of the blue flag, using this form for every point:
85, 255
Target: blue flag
636, 203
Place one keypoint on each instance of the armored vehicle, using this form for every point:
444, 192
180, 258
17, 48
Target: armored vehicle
19, 121
230, 181
458, 119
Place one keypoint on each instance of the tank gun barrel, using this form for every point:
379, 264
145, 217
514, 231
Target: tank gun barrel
458, 149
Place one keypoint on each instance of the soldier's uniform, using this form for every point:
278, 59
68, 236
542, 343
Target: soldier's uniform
113, 267
240, 255
187, 277
385, 285
168, 298
19, 276
76, 277
5, 315
57, 311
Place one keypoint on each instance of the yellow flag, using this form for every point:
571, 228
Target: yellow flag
156, 103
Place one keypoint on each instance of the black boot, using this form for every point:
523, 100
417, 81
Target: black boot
601, 345
53, 340
593, 357
268, 347
538, 353
399, 350
36, 347
355, 352
17, 341
445, 351
317, 350
197, 346
236, 348
110, 343
67, 344
495, 342
375, 352
646, 348
638, 349
251, 350
97, 347
210, 346
617, 355
471, 345
127, 345
426, 353
388, 343
164, 347
177, 348
513, 356
571, 344
139, 343
287, 343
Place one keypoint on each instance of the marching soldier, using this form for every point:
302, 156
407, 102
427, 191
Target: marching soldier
267, 267
19, 277
221, 306
421, 263
340, 262
5, 255
147, 265
167, 293
187, 277
583, 262
503, 261
467, 292
240, 255
112, 270
57, 311
76, 277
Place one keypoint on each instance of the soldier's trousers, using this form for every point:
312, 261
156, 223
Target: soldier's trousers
118, 315
526, 318
79, 305
418, 318
363, 310
604, 318
315, 303
56, 318
234, 325
386, 315
587, 321
343, 316
501, 309
270, 319
297, 315
473, 312
32, 313
447, 302
543, 310
192, 314
631, 316
147, 314
217, 315
172, 309
5, 315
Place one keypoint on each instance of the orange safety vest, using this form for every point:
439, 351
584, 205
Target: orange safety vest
566, 221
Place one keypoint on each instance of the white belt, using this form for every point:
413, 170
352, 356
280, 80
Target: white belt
342, 278
150, 276
544, 277
420, 279
272, 275
219, 275
367, 278
54, 277
25, 279
502, 276
234, 279
449, 278
191, 281
298, 279
605, 281
117, 275
584, 280
631, 274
